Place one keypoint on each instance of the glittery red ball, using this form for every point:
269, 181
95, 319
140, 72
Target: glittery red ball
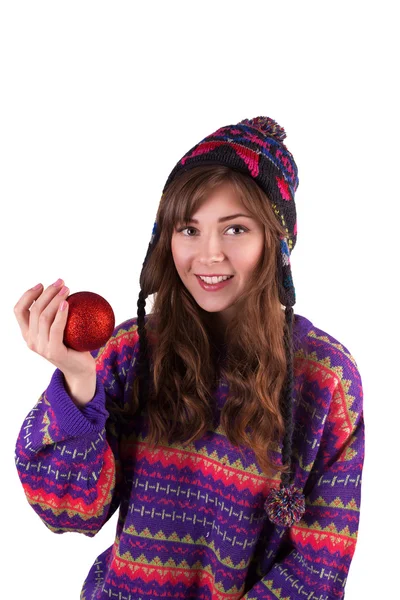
90, 321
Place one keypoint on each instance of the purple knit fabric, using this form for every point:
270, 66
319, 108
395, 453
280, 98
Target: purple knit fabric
191, 519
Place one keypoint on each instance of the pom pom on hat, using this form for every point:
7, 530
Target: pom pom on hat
267, 126
285, 506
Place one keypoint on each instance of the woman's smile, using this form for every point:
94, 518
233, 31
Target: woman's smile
213, 287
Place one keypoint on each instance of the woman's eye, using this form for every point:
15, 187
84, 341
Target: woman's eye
194, 228
238, 227
185, 228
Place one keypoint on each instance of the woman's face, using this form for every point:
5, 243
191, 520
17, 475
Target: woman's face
212, 244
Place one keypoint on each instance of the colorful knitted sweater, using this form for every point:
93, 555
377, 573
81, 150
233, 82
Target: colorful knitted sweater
191, 519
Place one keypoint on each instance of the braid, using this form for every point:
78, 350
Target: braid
143, 365
286, 397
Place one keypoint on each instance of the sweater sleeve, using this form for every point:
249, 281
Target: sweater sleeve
314, 559
67, 457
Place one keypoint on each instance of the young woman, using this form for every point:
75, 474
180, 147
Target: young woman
226, 429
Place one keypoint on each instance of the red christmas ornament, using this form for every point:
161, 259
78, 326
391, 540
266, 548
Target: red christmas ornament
90, 321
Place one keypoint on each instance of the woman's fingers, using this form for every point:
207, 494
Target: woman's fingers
21, 309
36, 310
29, 308
49, 345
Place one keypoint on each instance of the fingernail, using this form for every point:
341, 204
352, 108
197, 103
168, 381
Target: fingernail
39, 285
58, 282
62, 291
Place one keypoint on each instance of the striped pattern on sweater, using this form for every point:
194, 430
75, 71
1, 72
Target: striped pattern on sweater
191, 520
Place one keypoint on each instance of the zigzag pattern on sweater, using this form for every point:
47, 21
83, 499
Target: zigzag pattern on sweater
193, 525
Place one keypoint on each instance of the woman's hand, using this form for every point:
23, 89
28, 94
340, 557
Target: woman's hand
42, 325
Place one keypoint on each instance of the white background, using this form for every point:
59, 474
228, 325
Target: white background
99, 100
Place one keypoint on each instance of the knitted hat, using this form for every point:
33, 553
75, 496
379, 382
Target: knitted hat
254, 147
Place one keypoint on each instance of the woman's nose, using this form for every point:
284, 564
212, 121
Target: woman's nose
211, 248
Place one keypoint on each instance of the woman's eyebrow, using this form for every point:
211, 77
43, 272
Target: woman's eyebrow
222, 219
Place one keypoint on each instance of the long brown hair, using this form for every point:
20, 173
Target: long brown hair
186, 363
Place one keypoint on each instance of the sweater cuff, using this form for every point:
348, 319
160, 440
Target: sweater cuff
75, 421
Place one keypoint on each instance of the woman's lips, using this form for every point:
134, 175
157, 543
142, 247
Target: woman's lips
213, 287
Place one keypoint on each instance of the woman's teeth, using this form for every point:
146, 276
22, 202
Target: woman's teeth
215, 279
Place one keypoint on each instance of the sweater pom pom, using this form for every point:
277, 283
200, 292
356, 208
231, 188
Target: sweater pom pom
285, 506
267, 126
